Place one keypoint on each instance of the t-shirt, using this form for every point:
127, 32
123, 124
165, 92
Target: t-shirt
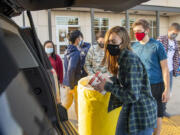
170, 54
151, 54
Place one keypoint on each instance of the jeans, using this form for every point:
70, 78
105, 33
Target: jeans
170, 86
171, 80
120, 129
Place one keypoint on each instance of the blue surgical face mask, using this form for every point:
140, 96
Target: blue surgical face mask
81, 42
49, 50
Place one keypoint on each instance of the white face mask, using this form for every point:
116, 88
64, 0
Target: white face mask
81, 42
173, 36
49, 50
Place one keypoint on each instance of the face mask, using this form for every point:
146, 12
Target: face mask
101, 45
81, 42
49, 50
114, 50
140, 36
173, 36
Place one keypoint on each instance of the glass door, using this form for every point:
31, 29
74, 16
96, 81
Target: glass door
61, 38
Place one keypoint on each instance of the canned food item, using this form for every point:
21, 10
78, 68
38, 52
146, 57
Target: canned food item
100, 75
96, 79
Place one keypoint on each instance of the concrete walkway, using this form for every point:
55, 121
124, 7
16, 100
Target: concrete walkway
171, 126
173, 107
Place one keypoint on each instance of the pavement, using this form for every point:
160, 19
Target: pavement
173, 107
171, 126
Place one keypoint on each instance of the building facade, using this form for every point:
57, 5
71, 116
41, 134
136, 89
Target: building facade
160, 14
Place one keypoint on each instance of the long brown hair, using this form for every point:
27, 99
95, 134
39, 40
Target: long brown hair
112, 61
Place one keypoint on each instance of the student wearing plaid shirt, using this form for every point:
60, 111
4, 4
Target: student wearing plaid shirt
132, 88
171, 47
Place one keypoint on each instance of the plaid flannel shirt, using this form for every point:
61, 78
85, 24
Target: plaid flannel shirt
165, 42
133, 90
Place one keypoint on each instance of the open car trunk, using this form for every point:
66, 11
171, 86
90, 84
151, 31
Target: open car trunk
15, 7
27, 91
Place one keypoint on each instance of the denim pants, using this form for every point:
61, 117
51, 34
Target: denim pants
120, 129
171, 80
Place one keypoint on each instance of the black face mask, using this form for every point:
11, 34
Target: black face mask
114, 50
101, 45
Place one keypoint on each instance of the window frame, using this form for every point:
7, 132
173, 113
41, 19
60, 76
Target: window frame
100, 26
66, 27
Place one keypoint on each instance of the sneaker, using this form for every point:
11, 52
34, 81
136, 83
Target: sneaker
166, 114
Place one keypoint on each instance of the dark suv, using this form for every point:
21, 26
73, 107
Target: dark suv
27, 86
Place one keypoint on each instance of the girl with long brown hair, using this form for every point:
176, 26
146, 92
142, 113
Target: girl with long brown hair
130, 85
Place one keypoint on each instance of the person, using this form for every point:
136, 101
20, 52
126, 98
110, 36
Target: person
55, 60
72, 67
95, 56
139, 112
171, 48
153, 55
83, 48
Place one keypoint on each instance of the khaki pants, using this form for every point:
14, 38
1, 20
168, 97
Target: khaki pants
71, 95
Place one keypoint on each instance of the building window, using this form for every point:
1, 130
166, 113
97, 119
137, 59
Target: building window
131, 21
67, 20
101, 24
153, 29
64, 25
152, 32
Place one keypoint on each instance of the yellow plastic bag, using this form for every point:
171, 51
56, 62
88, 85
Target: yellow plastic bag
93, 116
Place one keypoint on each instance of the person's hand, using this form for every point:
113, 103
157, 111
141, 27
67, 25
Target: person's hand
165, 96
58, 100
100, 86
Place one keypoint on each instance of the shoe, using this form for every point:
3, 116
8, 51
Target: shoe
166, 114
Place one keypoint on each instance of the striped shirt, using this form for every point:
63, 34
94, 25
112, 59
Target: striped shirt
165, 42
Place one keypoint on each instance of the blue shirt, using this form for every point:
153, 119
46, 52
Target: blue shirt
151, 54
